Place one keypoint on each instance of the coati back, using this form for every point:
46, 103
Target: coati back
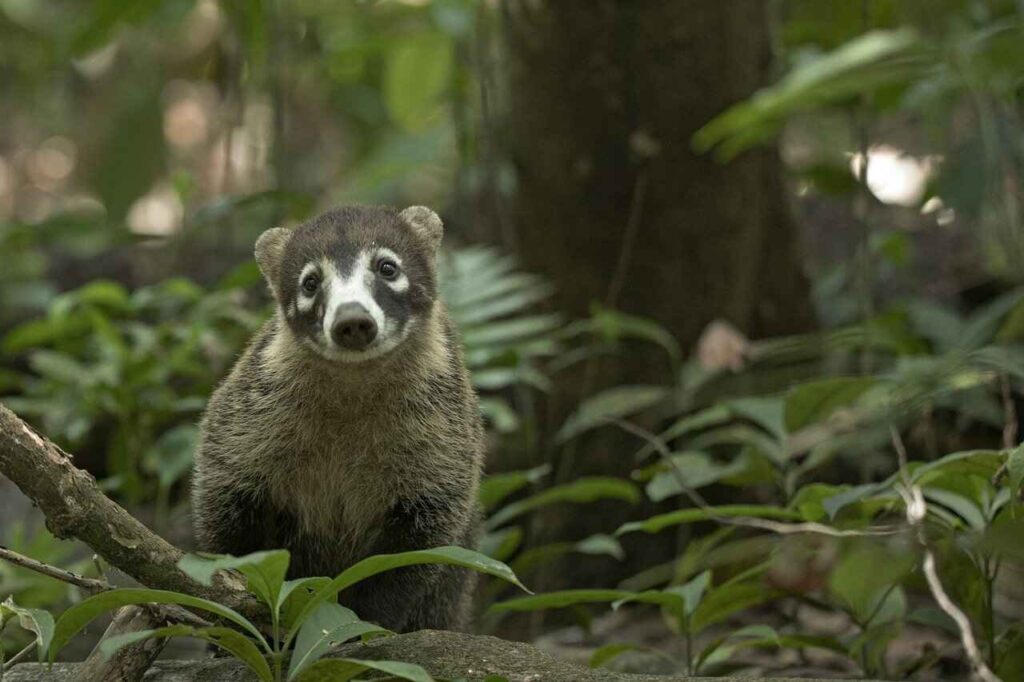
349, 426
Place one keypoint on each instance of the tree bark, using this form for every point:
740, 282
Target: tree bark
600, 128
129, 663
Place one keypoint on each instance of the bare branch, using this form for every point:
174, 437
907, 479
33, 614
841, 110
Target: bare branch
88, 584
74, 506
8, 664
917, 510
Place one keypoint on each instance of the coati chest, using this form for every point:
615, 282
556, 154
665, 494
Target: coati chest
339, 473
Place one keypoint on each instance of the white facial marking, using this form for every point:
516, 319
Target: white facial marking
305, 301
356, 288
400, 283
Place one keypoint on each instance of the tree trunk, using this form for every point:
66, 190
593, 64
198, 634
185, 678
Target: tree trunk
615, 207
600, 127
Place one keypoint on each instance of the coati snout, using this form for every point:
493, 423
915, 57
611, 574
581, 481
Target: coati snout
354, 328
356, 282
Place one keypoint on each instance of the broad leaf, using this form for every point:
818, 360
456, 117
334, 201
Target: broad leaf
371, 566
816, 401
605, 654
496, 487
295, 594
613, 403
326, 627
344, 669
265, 571
681, 516
562, 599
583, 490
232, 641
78, 616
37, 621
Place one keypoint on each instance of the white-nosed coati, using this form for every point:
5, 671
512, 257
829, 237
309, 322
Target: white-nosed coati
349, 426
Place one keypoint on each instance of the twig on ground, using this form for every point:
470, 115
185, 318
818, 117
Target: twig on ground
917, 509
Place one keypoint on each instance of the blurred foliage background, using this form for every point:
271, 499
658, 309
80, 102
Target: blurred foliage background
874, 149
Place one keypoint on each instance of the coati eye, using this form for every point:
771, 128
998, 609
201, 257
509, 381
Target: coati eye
387, 268
310, 283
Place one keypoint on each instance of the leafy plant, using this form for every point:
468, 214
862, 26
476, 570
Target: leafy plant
929, 360
131, 368
305, 618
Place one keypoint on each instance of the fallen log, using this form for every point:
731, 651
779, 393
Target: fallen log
446, 655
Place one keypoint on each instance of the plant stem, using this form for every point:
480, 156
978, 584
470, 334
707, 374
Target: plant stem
690, 670
7, 665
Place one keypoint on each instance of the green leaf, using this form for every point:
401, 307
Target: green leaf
501, 544
496, 487
344, 669
295, 594
510, 332
613, 403
249, 19
595, 545
371, 566
693, 591
816, 401
833, 504
499, 414
265, 571
662, 521
105, 17
865, 575
171, 455
600, 544
692, 470
326, 627
982, 463
583, 490
729, 599
78, 616
562, 599
613, 325
59, 367
102, 293
34, 620
416, 72
680, 600
871, 61
768, 413
232, 641
605, 654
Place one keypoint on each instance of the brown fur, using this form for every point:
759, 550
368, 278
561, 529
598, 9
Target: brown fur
336, 461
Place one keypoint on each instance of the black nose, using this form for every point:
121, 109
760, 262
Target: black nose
353, 328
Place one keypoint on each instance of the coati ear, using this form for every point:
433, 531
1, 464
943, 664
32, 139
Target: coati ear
270, 252
425, 223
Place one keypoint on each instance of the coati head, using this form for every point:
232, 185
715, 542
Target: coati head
353, 283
